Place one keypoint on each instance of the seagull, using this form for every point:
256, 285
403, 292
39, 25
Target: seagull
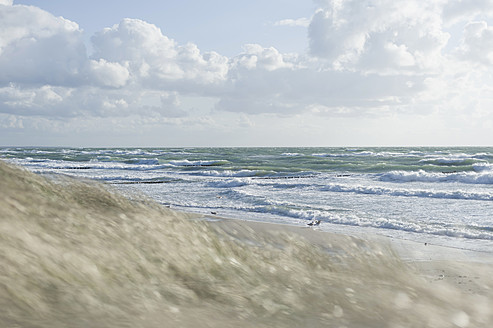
313, 223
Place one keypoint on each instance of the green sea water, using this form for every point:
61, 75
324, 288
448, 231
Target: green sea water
441, 195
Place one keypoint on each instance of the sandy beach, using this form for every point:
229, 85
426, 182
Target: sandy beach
468, 271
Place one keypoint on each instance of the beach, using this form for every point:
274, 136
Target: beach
75, 253
468, 271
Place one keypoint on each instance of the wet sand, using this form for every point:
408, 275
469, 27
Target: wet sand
468, 271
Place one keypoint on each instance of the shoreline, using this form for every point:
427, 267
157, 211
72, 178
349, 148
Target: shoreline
468, 271
408, 249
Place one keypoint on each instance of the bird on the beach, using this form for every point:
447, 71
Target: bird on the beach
313, 223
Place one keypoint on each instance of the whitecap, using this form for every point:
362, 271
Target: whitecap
423, 176
230, 183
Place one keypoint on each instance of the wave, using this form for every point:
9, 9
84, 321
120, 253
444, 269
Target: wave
331, 216
187, 162
123, 152
237, 174
450, 161
142, 161
481, 167
111, 163
231, 183
441, 158
374, 190
292, 154
351, 154
485, 177
42, 165
369, 153
358, 189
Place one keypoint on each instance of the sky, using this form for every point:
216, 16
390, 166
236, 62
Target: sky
153, 73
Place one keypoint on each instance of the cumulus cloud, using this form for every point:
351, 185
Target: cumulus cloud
154, 59
39, 48
62, 103
458, 10
46, 70
383, 34
477, 43
299, 85
366, 58
369, 58
169, 106
107, 73
258, 57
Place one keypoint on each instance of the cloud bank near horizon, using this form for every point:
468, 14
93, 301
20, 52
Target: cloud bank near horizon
365, 59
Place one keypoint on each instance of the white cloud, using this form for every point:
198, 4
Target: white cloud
301, 22
11, 122
46, 71
355, 34
258, 57
134, 65
477, 43
459, 10
169, 106
38, 48
133, 62
6, 2
302, 86
108, 74
154, 59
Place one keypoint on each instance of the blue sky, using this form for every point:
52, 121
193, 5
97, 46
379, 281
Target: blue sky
223, 26
246, 73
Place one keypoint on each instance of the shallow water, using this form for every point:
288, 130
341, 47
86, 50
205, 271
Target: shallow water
76, 255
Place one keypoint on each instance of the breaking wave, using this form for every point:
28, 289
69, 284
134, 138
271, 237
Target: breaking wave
485, 176
442, 194
187, 162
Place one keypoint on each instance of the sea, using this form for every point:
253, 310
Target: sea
438, 195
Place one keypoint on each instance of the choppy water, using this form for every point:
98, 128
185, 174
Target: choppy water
73, 254
438, 195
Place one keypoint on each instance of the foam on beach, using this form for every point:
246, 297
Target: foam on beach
74, 254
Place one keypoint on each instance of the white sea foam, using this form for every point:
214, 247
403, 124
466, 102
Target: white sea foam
291, 154
42, 165
239, 174
186, 162
143, 161
125, 152
361, 153
382, 223
230, 183
481, 167
423, 176
451, 160
443, 194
